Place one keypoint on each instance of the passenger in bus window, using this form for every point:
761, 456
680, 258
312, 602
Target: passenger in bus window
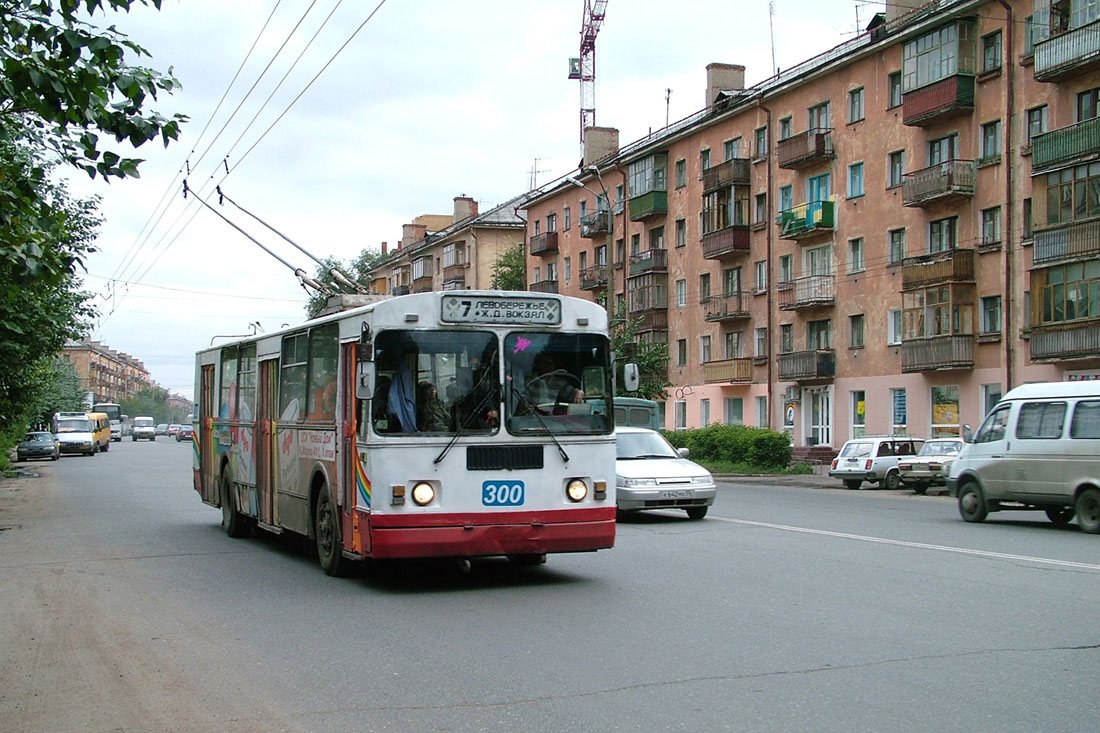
432, 415
569, 395
550, 380
483, 397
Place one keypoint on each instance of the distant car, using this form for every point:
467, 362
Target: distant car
143, 429
651, 474
931, 465
874, 458
162, 429
173, 429
38, 444
116, 431
185, 432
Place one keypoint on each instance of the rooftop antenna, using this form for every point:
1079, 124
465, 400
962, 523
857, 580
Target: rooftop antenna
668, 96
534, 172
771, 32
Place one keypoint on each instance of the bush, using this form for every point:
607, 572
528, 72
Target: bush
770, 449
734, 444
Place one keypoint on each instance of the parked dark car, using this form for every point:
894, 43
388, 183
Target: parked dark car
38, 444
185, 432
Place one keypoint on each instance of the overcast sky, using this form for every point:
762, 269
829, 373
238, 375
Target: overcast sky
430, 100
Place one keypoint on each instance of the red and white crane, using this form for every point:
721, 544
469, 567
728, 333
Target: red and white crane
584, 68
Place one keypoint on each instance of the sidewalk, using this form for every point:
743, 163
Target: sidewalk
820, 479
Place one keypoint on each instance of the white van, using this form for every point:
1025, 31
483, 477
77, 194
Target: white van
1039, 448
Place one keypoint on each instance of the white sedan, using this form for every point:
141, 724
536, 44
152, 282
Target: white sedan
930, 466
651, 474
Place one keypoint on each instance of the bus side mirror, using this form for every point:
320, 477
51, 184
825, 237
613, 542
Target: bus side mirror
630, 377
364, 380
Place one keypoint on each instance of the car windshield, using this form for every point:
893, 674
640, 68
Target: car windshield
638, 446
38, 437
856, 450
74, 426
940, 448
142, 423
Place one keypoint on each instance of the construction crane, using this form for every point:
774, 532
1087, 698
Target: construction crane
584, 68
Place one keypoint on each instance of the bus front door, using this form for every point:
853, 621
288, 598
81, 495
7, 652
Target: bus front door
207, 412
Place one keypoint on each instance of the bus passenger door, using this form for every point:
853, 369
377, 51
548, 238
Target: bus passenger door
265, 441
356, 493
208, 410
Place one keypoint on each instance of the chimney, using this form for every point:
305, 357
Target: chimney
723, 77
385, 247
465, 208
412, 233
599, 143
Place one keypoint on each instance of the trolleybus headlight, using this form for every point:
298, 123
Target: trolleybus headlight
576, 489
423, 493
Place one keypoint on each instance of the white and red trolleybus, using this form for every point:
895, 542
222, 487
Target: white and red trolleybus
440, 424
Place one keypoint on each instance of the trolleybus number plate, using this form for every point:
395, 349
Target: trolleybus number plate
502, 493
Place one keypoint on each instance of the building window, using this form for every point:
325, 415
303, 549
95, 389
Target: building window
704, 412
859, 413
761, 348
855, 255
681, 352
943, 149
991, 140
991, 395
893, 82
681, 293
991, 52
855, 180
786, 268
897, 246
855, 328
648, 175
1036, 122
538, 227
1088, 104
786, 338
762, 411
732, 148
819, 117
732, 345
704, 349
1071, 292
760, 144
1073, 193
761, 267
1029, 36
855, 105
991, 226
735, 411
704, 287
657, 238
939, 54
620, 197
731, 280
898, 412
681, 173
535, 275
760, 208
896, 168
991, 314
786, 198
635, 245
818, 188
945, 411
704, 159
680, 415
785, 129
819, 334
893, 326
1028, 233
568, 269
551, 223
941, 234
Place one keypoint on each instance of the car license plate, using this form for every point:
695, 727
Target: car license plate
502, 493
677, 494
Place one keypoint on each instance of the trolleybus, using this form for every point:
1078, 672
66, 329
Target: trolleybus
113, 411
440, 424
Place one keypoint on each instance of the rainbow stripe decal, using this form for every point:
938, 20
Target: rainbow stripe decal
362, 483
195, 450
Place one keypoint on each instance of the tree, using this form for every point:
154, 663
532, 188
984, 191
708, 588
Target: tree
150, 401
650, 356
358, 270
509, 271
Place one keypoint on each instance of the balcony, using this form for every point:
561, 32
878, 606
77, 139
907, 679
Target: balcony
422, 284
544, 286
805, 149
1079, 239
938, 353
454, 273
594, 278
818, 365
732, 307
1052, 342
727, 242
596, 225
648, 205
807, 220
1068, 54
725, 371
938, 183
734, 171
400, 290
942, 100
543, 244
1065, 145
651, 320
652, 260
807, 292
953, 265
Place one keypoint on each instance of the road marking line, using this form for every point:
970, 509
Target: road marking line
915, 545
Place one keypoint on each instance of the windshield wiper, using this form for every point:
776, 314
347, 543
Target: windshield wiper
538, 416
476, 411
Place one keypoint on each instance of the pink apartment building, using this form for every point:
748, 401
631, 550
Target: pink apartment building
884, 238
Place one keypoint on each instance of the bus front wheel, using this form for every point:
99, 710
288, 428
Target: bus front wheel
326, 527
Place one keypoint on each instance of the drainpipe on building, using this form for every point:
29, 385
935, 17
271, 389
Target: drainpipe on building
768, 219
1010, 107
523, 241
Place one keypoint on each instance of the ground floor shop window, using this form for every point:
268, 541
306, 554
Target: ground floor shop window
945, 411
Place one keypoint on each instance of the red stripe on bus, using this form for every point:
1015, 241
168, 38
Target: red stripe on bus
415, 518
489, 540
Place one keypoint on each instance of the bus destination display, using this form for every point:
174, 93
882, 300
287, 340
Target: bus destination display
521, 310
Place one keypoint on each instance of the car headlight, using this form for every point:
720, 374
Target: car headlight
624, 481
423, 493
576, 489
702, 480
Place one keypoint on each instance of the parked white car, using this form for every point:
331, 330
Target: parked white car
874, 458
651, 474
930, 466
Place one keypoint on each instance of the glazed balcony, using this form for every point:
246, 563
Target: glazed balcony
596, 225
729, 241
648, 205
731, 307
937, 353
953, 179
807, 220
1079, 239
950, 97
1065, 145
544, 244
728, 371
1051, 342
594, 278
807, 292
734, 171
1068, 54
953, 265
544, 286
652, 260
806, 148
818, 365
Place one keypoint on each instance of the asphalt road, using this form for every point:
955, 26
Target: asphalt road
125, 607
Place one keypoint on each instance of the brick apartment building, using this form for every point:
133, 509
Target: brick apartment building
108, 374
881, 239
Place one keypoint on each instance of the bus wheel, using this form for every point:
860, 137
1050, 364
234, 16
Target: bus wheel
533, 558
235, 523
326, 526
